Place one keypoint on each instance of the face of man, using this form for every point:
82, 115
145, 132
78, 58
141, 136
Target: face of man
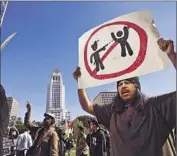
126, 90
92, 126
47, 122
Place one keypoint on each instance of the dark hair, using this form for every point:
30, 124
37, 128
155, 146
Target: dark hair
94, 121
25, 129
59, 131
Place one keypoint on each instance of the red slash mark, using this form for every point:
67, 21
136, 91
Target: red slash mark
139, 60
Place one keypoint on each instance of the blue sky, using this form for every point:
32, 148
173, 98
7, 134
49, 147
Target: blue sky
47, 38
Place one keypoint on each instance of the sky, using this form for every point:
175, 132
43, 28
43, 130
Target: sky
47, 38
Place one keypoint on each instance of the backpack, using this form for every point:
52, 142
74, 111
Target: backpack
107, 141
106, 144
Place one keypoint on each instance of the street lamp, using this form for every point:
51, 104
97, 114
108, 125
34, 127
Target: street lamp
2, 14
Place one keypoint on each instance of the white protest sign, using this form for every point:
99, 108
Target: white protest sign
119, 49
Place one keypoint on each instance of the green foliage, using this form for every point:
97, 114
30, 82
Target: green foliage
38, 123
79, 121
84, 119
19, 122
20, 125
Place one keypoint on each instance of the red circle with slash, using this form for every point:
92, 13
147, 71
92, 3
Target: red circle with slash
139, 60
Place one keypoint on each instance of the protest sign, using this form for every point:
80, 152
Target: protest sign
120, 48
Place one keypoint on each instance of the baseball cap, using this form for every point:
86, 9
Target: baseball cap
50, 115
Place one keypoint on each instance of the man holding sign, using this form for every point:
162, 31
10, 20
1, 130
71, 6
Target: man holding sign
139, 125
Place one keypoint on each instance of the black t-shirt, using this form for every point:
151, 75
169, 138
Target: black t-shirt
97, 143
140, 133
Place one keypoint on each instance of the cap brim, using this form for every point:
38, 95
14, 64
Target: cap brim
48, 115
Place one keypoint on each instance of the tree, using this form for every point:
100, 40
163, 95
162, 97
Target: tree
84, 119
19, 119
80, 121
38, 123
75, 125
19, 122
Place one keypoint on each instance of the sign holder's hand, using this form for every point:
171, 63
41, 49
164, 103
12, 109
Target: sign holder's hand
77, 73
166, 46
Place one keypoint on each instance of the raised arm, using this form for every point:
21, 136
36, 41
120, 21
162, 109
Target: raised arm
173, 58
168, 47
166, 104
27, 122
126, 32
83, 98
85, 102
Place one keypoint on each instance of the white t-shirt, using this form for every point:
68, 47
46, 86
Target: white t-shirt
24, 141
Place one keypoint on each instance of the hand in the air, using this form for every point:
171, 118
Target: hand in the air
166, 46
77, 73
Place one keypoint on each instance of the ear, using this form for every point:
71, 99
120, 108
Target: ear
136, 85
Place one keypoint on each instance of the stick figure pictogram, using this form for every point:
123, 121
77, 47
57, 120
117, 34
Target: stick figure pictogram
96, 55
122, 40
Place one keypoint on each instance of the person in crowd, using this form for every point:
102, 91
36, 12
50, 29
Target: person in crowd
46, 138
96, 139
13, 133
62, 143
81, 145
24, 142
4, 120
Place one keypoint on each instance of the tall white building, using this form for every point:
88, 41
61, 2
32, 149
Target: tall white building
13, 109
104, 97
56, 97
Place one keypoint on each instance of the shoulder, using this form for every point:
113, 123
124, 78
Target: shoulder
21, 135
54, 135
162, 98
38, 130
101, 131
107, 107
29, 137
27, 134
